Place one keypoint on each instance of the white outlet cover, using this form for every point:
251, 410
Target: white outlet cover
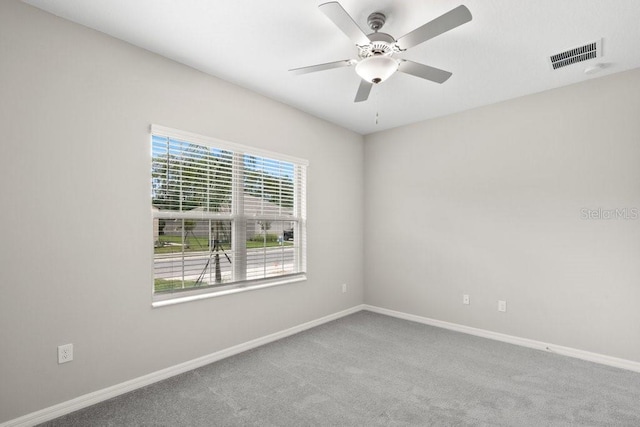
502, 306
65, 353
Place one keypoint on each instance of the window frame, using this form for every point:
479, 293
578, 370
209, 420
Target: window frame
239, 218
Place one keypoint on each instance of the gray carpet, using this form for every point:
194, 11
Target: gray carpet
368, 369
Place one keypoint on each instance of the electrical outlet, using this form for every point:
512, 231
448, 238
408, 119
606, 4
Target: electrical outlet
502, 306
465, 299
65, 353
344, 288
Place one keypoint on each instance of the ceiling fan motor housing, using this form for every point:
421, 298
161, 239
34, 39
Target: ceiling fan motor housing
375, 49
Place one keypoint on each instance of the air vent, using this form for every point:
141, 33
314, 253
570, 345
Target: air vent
578, 54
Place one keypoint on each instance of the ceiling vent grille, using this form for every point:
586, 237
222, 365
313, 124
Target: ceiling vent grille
578, 54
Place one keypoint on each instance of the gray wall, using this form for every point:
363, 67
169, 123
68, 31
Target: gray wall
488, 202
75, 110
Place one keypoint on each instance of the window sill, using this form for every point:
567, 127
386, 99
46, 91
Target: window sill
164, 300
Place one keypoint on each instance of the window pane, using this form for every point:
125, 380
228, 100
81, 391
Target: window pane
188, 176
268, 186
191, 253
271, 249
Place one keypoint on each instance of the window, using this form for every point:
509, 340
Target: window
225, 216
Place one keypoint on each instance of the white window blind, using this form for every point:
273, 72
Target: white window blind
224, 215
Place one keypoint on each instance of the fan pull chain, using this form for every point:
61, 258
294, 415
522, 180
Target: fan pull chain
377, 100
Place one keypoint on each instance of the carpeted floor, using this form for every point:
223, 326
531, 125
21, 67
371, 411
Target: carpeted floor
372, 370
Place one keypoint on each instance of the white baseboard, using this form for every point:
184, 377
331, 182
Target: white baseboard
524, 342
127, 386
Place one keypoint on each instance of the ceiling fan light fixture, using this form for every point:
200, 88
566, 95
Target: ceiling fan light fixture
377, 68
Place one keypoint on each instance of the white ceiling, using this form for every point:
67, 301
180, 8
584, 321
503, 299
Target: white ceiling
501, 54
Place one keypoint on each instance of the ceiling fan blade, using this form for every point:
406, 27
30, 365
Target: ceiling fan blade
448, 21
424, 71
347, 25
363, 91
321, 67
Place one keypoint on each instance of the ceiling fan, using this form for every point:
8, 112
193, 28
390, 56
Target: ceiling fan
375, 61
